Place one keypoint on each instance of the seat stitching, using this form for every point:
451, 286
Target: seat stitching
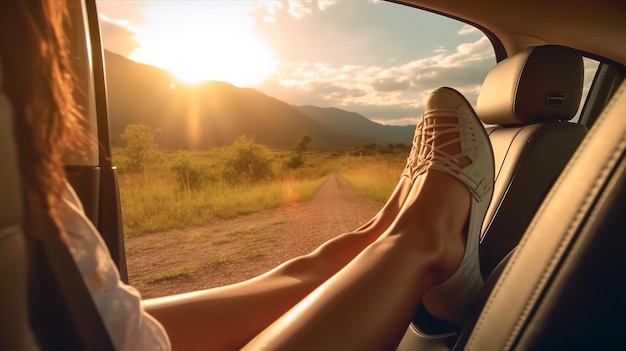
567, 238
508, 149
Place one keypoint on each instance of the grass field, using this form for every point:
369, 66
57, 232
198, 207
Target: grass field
157, 199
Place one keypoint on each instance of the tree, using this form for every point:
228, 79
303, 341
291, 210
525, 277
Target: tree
402, 146
297, 160
140, 146
302, 144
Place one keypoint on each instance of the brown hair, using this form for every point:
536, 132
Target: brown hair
39, 82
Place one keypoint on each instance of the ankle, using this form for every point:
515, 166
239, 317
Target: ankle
439, 249
441, 204
444, 246
450, 257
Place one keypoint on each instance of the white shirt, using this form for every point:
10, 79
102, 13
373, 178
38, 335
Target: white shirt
129, 326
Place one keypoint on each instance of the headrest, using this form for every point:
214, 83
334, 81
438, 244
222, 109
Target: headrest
542, 83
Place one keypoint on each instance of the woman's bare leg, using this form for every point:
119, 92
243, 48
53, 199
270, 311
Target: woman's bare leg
229, 316
381, 221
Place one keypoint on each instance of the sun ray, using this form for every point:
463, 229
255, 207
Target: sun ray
196, 42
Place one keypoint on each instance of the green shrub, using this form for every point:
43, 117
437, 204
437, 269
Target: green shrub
294, 161
190, 174
246, 161
140, 150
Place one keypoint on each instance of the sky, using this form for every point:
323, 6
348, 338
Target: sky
372, 57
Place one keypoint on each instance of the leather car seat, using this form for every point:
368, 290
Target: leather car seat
526, 100
15, 332
529, 99
564, 287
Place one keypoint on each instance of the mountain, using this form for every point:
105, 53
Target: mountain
210, 114
352, 122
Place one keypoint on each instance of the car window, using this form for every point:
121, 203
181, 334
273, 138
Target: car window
246, 133
84, 92
590, 69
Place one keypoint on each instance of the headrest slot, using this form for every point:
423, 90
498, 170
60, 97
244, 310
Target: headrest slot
554, 98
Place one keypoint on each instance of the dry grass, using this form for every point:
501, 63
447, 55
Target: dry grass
374, 177
154, 201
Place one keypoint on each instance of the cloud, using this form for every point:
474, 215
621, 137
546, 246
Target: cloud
390, 84
324, 4
469, 52
392, 95
269, 10
467, 29
118, 36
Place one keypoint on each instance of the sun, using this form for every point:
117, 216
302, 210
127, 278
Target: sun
205, 40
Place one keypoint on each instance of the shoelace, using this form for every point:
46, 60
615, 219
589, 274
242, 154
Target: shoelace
413, 157
426, 155
433, 156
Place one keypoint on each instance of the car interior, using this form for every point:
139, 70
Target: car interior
531, 144
552, 247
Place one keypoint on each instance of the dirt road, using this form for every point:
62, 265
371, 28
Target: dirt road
232, 250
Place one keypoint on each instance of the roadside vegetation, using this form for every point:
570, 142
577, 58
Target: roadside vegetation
163, 189
375, 176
